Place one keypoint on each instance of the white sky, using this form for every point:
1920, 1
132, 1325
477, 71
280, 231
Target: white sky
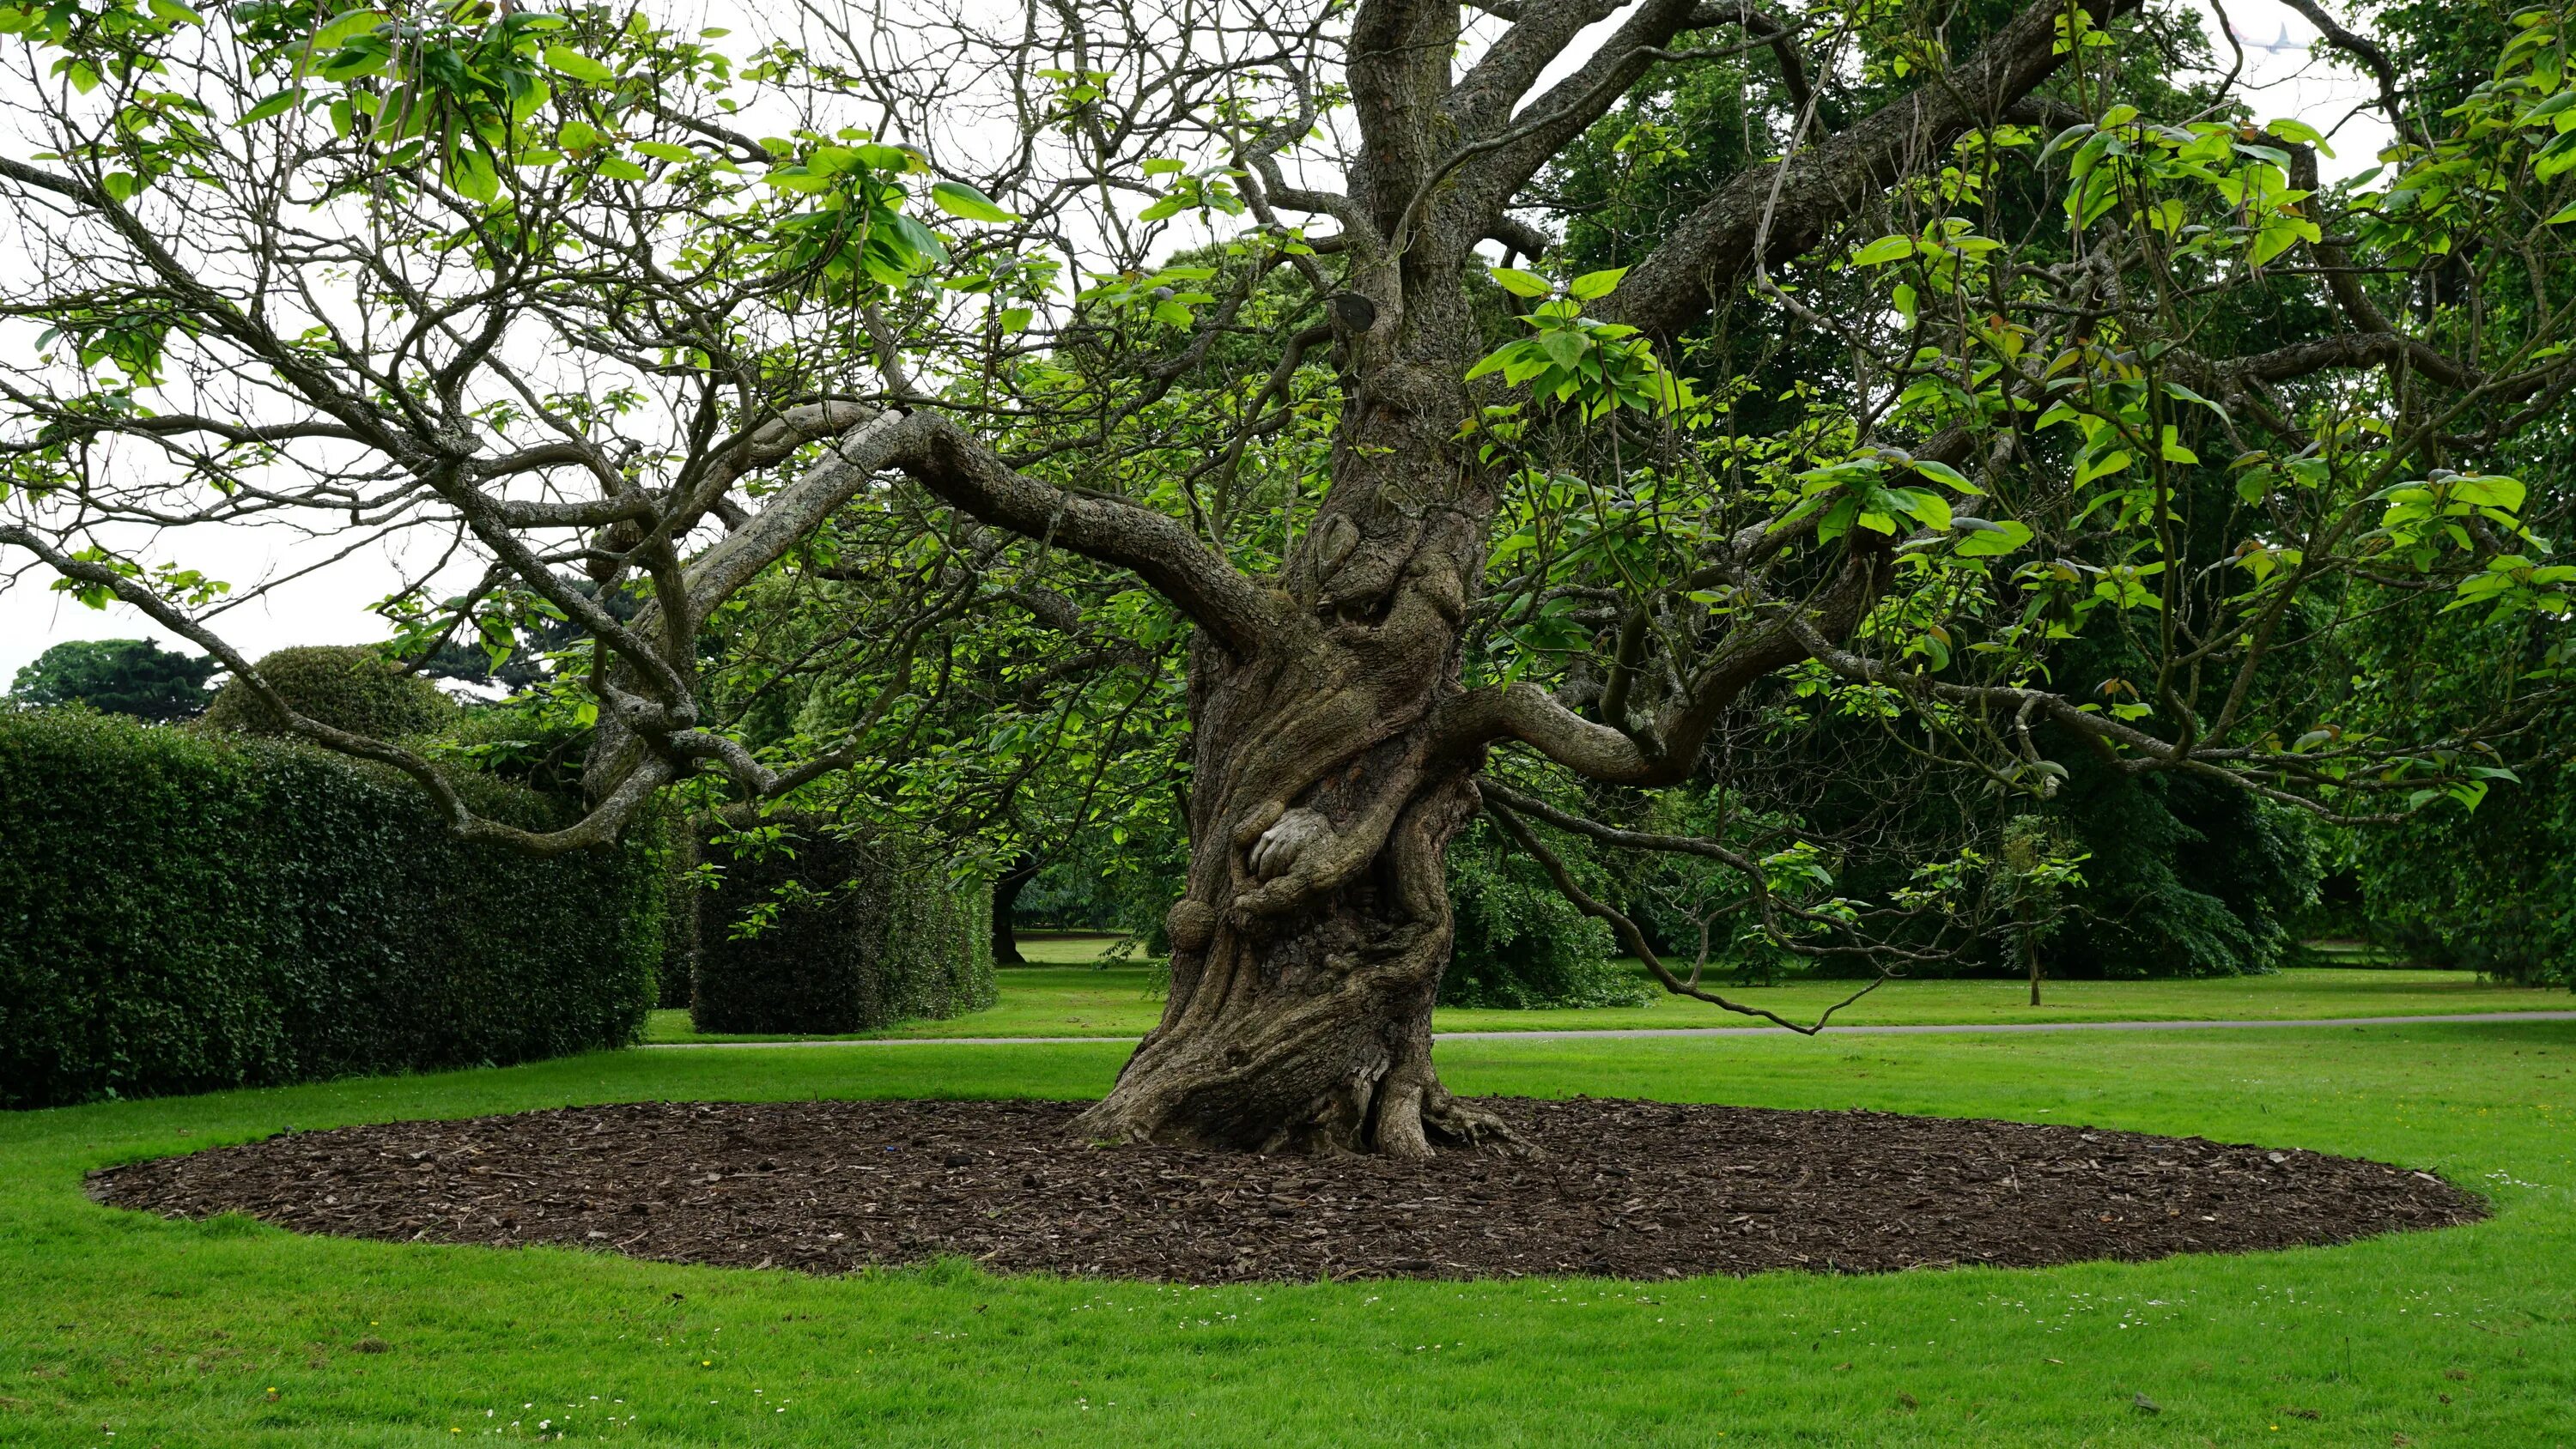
2281, 79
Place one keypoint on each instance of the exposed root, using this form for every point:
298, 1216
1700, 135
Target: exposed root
1401, 1114
1473, 1127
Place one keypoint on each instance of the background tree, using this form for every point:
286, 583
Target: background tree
1214, 352
121, 676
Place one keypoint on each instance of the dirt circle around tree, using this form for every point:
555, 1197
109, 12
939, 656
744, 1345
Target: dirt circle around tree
1617, 1188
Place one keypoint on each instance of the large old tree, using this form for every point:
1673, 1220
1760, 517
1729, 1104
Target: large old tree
1004, 313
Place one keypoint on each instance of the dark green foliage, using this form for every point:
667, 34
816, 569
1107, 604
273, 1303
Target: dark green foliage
2492, 890
1519, 942
2186, 878
681, 894
180, 912
349, 687
812, 929
516, 740
121, 676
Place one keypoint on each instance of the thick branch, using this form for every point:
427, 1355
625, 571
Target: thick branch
1708, 251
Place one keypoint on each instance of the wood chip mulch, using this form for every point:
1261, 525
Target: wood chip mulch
1624, 1189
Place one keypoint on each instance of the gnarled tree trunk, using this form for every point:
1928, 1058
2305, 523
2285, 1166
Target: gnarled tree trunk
1308, 950
1335, 745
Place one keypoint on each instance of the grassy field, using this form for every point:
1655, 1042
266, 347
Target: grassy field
122, 1329
1061, 994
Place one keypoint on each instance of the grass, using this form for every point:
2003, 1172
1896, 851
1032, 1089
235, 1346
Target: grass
229, 1333
1061, 994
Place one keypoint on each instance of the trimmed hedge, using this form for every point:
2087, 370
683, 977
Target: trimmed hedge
346, 686
844, 934
181, 911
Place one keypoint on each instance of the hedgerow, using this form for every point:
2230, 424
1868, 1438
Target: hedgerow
812, 928
184, 910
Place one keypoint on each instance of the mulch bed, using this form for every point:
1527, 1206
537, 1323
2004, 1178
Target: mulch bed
1626, 1189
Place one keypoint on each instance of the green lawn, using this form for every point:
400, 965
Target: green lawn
234, 1334
1060, 995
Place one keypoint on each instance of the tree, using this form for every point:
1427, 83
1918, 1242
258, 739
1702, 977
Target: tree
544, 286
120, 676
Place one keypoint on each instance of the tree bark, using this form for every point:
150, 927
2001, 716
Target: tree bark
1006, 894
1308, 949
2030, 958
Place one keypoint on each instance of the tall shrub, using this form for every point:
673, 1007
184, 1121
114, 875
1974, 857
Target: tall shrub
2492, 891
813, 929
1520, 943
346, 686
182, 911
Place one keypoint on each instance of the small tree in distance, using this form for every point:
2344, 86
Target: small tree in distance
121, 676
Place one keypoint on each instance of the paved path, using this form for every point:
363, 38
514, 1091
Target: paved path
1669, 1031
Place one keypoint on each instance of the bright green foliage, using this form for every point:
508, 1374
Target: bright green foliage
120, 676
809, 928
1597, 366
180, 912
345, 686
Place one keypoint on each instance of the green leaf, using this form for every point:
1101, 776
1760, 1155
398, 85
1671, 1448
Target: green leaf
2069, 136
665, 151
618, 168
1928, 508
966, 203
1016, 319
1499, 359
1884, 250
1595, 284
1947, 476
346, 28
2102, 467
1522, 284
2187, 395
2301, 132
570, 62
276, 105
2549, 107
897, 159
919, 239
1994, 540
471, 173
1565, 349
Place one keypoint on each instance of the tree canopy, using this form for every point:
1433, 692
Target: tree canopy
119, 676
1303, 427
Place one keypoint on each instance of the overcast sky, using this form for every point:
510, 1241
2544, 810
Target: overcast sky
330, 606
